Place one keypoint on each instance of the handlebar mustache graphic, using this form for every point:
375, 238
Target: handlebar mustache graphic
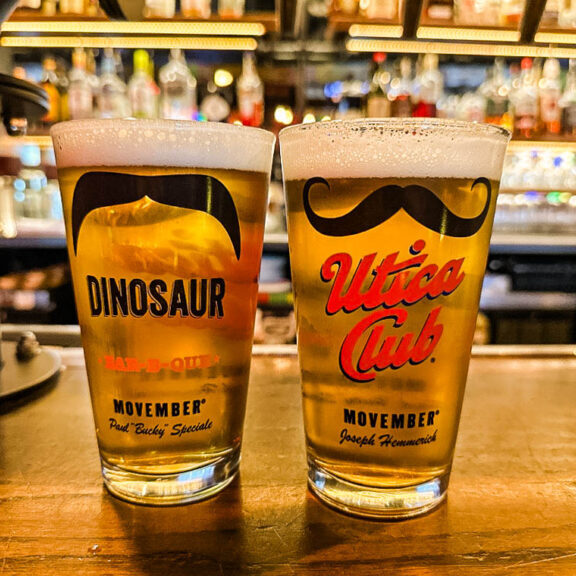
417, 201
192, 191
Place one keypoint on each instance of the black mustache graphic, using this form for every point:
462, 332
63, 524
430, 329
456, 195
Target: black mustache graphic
193, 191
417, 201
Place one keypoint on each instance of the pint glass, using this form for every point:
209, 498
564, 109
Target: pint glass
389, 225
164, 225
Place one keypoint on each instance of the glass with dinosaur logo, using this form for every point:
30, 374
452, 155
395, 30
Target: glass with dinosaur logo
164, 225
389, 225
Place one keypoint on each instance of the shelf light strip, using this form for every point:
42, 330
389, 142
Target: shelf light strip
473, 34
555, 37
375, 31
222, 28
559, 145
151, 42
459, 49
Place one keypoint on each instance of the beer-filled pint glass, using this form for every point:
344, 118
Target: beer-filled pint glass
389, 224
164, 226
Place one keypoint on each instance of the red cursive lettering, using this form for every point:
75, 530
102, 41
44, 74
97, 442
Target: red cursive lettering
392, 284
402, 287
383, 351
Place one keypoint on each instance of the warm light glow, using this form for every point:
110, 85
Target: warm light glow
480, 34
414, 47
538, 144
309, 118
325, 118
189, 43
223, 78
375, 31
284, 115
556, 37
137, 28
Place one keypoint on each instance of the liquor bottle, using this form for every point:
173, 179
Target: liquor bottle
29, 183
550, 91
428, 87
350, 99
496, 91
80, 97
440, 10
49, 8
231, 8
50, 83
178, 88
377, 102
250, 92
30, 4
568, 101
214, 106
63, 85
76, 7
113, 97
551, 13
379, 9
472, 107
400, 93
195, 8
93, 79
160, 8
567, 14
142, 90
525, 102
344, 7
511, 12
477, 12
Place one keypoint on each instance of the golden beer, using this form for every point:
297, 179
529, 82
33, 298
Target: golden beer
166, 293
388, 253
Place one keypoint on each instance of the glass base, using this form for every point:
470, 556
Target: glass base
377, 503
171, 489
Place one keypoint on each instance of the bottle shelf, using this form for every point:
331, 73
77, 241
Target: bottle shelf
415, 32
215, 33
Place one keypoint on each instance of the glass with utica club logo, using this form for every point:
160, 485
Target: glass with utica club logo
164, 225
389, 225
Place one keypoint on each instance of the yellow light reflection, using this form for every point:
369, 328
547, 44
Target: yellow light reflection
375, 31
138, 28
464, 49
555, 37
223, 78
284, 115
538, 144
190, 43
479, 34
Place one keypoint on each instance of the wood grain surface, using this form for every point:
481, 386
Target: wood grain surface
511, 508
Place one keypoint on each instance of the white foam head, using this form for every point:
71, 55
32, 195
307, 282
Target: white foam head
162, 143
393, 148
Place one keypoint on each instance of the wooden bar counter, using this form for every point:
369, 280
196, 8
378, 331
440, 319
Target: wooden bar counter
511, 508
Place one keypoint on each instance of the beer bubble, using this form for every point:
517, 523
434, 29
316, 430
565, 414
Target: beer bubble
393, 148
119, 143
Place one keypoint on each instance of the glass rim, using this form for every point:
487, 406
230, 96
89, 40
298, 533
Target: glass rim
422, 124
177, 126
